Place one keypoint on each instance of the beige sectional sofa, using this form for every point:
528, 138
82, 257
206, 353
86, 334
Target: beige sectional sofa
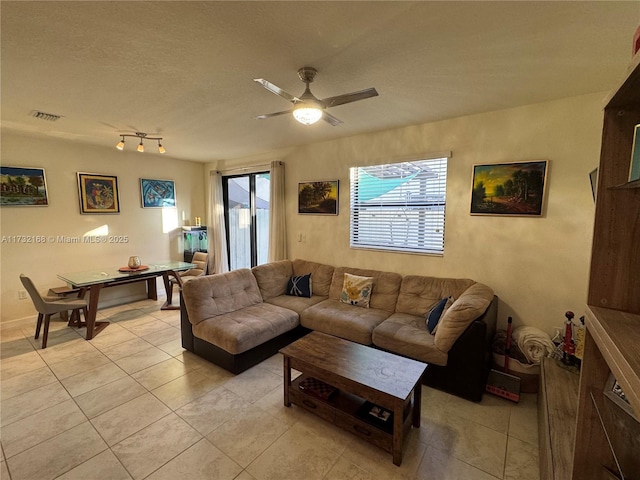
240, 318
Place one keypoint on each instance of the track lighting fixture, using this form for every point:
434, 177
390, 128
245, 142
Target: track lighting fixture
142, 136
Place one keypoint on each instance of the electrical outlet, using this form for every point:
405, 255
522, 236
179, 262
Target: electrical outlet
22, 294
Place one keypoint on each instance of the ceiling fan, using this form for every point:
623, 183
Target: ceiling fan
307, 108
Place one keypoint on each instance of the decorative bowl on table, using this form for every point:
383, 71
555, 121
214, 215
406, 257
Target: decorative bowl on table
134, 265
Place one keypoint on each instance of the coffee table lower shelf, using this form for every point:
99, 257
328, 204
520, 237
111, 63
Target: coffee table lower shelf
342, 410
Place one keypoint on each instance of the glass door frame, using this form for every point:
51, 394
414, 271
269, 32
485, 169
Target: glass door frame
252, 213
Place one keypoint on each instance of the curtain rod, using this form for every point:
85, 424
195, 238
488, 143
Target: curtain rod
249, 167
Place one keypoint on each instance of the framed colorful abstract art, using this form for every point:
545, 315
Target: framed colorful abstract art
98, 193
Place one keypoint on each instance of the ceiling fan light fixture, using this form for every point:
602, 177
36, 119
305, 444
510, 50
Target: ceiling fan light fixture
120, 145
161, 149
140, 147
307, 114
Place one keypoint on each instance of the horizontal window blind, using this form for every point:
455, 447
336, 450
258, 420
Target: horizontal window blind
399, 206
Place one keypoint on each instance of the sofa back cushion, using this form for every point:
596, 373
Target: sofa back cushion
321, 275
384, 294
420, 294
273, 277
213, 295
470, 305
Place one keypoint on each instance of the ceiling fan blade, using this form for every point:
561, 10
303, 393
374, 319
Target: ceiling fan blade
269, 115
349, 97
276, 89
331, 119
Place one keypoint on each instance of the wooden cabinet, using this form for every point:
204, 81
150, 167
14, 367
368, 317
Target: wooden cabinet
612, 343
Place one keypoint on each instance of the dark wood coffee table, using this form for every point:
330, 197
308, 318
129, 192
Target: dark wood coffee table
359, 374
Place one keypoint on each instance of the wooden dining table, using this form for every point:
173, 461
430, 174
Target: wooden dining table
93, 281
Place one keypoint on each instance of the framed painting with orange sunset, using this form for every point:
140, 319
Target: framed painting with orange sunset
516, 188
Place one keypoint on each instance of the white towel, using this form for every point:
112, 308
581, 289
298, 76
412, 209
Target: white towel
534, 343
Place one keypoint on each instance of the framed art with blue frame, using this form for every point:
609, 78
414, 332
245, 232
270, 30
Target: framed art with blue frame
157, 193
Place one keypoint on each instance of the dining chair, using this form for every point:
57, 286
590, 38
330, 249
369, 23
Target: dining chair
47, 306
200, 259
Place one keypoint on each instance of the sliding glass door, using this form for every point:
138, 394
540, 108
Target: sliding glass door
246, 200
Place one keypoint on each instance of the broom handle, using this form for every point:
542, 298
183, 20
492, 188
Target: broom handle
507, 348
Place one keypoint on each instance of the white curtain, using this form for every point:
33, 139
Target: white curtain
218, 260
277, 224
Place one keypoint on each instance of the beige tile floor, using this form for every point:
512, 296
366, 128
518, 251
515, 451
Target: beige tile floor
131, 403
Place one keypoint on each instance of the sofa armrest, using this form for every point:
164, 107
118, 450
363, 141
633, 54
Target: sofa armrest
469, 358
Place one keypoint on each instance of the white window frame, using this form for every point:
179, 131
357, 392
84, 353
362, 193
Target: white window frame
399, 206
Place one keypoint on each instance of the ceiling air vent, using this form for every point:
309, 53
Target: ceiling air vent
50, 117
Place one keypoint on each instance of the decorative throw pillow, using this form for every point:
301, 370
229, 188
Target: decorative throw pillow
435, 314
299, 286
356, 290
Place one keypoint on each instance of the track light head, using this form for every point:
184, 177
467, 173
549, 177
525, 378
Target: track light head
141, 147
161, 148
120, 145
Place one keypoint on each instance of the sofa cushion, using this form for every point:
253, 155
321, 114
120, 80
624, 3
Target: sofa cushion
272, 277
342, 320
297, 304
300, 286
384, 294
470, 305
212, 295
356, 290
407, 335
320, 273
418, 294
237, 332
433, 316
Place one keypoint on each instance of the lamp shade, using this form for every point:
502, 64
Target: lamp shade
307, 114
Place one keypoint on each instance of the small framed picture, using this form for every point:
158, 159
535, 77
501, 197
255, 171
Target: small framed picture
23, 187
157, 193
634, 169
98, 193
515, 189
318, 198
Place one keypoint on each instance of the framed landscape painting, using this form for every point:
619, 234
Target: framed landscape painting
23, 187
98, 193
318, 198
516, 189
157, 193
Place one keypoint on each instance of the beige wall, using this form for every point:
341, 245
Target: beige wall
150, 236
538, 267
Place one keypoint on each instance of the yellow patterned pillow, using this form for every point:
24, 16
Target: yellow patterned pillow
356, 290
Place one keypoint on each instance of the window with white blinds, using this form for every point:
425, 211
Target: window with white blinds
399, 206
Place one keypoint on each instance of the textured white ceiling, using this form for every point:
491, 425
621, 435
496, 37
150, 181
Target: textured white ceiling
184, 69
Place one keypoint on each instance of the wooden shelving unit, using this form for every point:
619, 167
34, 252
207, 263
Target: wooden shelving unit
557, 412
612, 340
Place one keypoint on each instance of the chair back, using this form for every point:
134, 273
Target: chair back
36, 298
200, 259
